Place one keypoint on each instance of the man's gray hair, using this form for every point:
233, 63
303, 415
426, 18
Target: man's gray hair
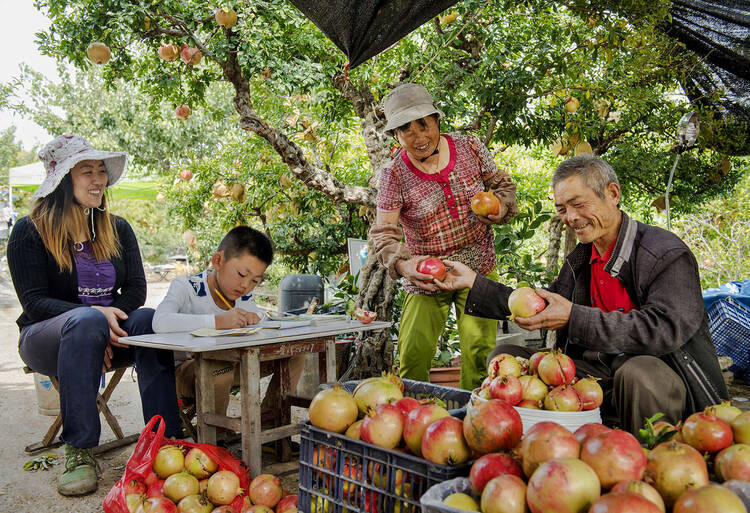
594, 172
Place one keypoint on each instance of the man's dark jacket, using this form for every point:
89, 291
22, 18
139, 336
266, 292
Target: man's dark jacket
660, 274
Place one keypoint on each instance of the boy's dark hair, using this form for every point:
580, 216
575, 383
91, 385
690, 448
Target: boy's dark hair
243, 239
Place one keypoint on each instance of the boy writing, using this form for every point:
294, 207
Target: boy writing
221, 298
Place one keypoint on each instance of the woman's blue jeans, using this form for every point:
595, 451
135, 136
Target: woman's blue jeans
71, 346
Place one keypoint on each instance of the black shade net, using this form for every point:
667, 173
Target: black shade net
719, 31
364, 28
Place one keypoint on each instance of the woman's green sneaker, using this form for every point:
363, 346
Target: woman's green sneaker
80, 474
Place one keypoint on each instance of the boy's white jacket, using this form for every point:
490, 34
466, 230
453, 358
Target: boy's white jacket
188, 306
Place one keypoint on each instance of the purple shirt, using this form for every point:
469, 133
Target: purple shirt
96, 280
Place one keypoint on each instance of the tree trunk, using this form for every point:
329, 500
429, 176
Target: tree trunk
553, 249
570, 242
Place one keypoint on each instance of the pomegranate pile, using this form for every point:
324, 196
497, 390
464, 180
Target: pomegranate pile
597, 469
547, 380
192, 482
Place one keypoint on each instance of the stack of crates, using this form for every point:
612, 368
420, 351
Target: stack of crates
338, 474
729, 324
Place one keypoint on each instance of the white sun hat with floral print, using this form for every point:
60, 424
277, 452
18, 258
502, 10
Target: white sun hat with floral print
65, 151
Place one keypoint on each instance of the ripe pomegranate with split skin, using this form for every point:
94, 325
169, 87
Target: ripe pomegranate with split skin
590, 392
226, 18
98, 52
364, 316
503, 364
169, 52
508, 388
563, 398
190, 56
556, 369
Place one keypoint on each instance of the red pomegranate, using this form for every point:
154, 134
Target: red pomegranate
586, 431
615, 456
417, 422
489, 466
673, 467
406, 405
383, 427
157, 505
565, 485
265, 490
590, 391
534, 360
706, 433
556, 369
492, 426
508, 388
504, 494
733, 463
288, 502
641, 488
563, 398
333, 409
623, 502
546, 441
709, 499
525, 302
443, 442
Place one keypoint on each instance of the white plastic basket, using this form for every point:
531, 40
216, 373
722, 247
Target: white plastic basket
571, 420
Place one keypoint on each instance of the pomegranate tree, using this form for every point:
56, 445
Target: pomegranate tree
492, 426
490, 466
615, 456
565, 485
546, 441
673, 467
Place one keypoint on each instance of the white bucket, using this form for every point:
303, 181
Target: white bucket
47, 398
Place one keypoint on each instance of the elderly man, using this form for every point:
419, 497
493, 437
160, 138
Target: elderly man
626, 305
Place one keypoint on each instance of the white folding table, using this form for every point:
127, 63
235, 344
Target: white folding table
277, 345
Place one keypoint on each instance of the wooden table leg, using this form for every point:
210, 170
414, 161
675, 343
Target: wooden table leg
285, 408
331, 361
250, 408
205, 399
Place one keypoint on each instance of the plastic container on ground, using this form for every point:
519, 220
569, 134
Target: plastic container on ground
47, 398
729, 324
571, 420
338, 474
432, 500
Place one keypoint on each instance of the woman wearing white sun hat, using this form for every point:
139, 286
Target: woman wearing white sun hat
78, 274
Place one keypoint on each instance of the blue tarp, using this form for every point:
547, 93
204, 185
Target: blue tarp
737, 290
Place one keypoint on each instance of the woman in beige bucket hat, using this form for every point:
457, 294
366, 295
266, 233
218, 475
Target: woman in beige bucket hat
78, 274
424, 197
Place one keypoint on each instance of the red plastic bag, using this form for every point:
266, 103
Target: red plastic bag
140, 462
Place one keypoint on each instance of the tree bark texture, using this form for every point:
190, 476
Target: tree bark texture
553, 249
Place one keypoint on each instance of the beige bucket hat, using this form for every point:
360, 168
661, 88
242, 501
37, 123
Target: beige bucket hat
406, 103
65, 151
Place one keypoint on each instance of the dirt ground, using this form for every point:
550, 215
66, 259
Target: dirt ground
21, 425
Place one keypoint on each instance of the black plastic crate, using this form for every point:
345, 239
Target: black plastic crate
454, 398
338, 474
729, 324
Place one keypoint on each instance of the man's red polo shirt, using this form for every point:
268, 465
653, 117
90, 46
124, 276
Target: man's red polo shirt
607, 293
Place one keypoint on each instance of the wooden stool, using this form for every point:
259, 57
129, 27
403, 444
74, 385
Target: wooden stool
51, 440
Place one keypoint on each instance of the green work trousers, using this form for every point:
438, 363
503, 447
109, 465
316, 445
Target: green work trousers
423, 321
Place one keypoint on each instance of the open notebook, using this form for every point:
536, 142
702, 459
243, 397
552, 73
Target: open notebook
273, 321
